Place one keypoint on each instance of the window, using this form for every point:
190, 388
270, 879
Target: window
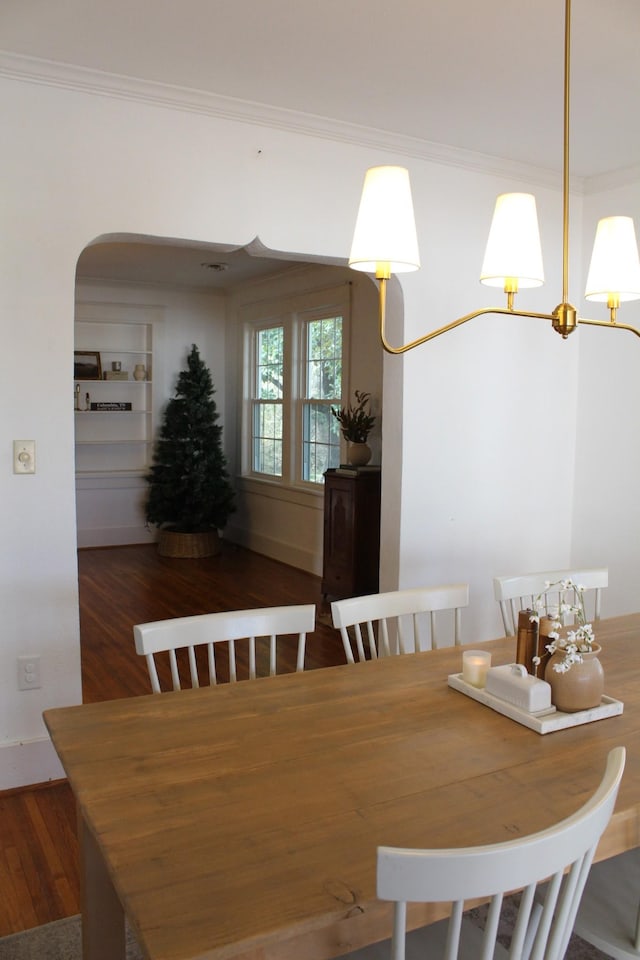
294, 377
323, 381
268, 401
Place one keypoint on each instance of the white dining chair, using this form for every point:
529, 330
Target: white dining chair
207, 631
609, 914
518, 592
397, 621
540, 931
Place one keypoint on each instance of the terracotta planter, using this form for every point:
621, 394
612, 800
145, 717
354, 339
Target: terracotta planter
581, 687
359, 454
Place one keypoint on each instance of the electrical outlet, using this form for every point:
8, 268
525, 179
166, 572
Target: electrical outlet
29, 672
24, 456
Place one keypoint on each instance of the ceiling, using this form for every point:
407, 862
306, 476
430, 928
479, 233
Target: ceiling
197, 266
485, 77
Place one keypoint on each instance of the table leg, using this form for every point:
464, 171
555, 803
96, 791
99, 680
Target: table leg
103, 928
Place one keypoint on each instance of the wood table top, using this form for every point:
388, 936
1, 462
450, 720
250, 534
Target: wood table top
243, 820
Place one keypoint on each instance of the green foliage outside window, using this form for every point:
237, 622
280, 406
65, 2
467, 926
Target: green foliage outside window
321, 438
267, 409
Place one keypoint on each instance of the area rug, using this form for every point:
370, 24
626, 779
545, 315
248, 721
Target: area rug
61, 940
577, 948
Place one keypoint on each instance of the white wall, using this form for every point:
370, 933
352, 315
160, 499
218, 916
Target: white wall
482, 425
606, 518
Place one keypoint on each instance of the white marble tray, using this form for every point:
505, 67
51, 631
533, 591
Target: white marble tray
546, 721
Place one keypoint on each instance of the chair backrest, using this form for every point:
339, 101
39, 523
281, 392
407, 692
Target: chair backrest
392, 620
456, 875
201, 633
518, 592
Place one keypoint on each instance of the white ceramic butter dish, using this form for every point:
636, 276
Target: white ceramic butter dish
513, 684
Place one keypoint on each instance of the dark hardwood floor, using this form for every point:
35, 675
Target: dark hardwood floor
121, 586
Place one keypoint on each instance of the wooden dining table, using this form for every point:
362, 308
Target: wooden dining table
242, 821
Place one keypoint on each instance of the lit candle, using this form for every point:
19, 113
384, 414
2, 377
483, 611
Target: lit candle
475, 664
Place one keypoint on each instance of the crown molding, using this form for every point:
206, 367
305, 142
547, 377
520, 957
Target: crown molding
97, 83
612, 180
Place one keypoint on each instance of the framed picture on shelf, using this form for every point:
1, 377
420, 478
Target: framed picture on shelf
86, 365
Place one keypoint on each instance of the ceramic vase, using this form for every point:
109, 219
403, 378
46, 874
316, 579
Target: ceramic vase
359, 454
581, 687
139, 372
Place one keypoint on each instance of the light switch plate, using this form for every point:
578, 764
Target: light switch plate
24, 456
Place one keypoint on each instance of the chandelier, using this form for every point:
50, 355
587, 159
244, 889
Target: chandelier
385, 242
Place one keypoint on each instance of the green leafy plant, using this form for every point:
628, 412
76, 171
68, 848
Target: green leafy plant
356, 421
189, 487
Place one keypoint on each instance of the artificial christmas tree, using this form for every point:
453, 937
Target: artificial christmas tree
190, 496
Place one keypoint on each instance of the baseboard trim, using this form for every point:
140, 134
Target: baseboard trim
28, 762
290, 554
114, 536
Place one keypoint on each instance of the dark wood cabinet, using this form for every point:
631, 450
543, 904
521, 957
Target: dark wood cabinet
351, 554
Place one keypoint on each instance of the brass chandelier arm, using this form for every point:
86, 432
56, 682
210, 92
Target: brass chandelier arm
449, 326
553, 317
610, 324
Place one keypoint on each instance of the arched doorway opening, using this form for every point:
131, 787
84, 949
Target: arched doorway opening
151, 298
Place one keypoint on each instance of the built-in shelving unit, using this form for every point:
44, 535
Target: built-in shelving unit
115, 441
114, 423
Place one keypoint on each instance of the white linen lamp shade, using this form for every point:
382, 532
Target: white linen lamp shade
513, 250
614, 272
384, 239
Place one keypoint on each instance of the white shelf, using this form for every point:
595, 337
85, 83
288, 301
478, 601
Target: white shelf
117, 352
115, 383
112, 443
124, 474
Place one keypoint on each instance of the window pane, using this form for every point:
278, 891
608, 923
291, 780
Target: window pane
321, 433
267, 408
321, 441
267, 438
269, 363
324, 359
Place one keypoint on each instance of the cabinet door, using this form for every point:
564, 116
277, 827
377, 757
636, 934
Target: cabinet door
351, 553
339, 536
366, 569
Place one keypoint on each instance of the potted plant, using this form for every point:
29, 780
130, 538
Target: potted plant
190, 496
356, 423
573, 669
